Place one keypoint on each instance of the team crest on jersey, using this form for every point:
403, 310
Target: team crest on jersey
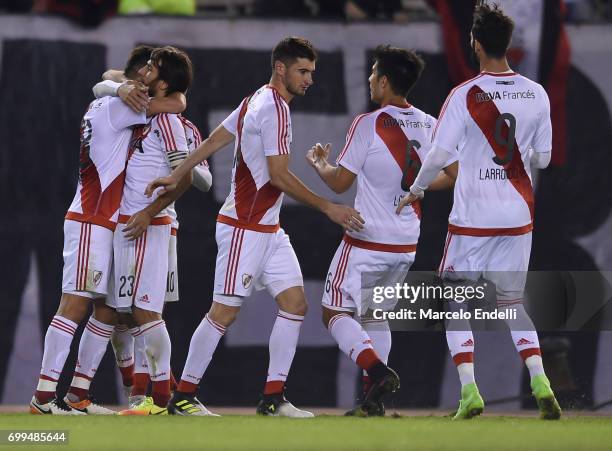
97, 278
246, 280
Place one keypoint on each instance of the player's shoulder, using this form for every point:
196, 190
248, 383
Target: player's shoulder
268, 99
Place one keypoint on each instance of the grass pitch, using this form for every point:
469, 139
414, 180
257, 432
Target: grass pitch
235, 432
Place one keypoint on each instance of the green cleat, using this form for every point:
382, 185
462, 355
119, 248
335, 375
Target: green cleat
471, 404
547, 403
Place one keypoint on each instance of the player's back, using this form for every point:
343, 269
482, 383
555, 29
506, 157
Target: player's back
385, 149
105, 136
496, 120
262, 125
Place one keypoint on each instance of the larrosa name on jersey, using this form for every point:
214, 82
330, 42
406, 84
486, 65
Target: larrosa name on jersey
504, 95
499, 174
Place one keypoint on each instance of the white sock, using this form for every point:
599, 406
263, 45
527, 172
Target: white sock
201, 349
158, 349
461, 346
466, 373
141, 364
525, 338
91, 350
380, 334
283, 341
349, 335
56, 349
123, 346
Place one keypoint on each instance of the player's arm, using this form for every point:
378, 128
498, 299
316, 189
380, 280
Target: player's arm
446, 178
202, 178
542, 140
338, 178
138, 223
218, 139
174, 103
114, 75
283, 179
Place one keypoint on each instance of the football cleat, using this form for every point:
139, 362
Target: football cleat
389, 383
146, 407
547, 403
53, 407
89, 407
277, 406
133, 401
471, 404
184, 404
370, 410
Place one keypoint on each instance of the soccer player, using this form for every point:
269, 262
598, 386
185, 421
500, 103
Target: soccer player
500, 123
93, 345
383, 151
141, 249
254, 252
106, 129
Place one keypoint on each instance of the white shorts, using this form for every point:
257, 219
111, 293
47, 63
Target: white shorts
141, 269
88, 254
503, 260
248, 260
172, 288
355, 271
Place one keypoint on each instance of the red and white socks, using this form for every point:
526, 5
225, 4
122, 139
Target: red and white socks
92, 347
461, 346
56, 349
355, 343
201, 349
122, 340
282, 345
158, 349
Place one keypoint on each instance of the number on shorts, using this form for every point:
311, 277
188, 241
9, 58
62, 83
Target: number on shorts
124, 281
328, 282
499, 139
170, 282
411, 164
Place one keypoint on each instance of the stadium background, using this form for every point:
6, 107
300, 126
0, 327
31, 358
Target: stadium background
47, 68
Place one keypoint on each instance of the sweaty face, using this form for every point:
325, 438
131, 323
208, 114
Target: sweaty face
375, 88
298, 76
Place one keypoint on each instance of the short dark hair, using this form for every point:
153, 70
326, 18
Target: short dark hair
174, 68
138, 58
401, 67
290, 49
493, 29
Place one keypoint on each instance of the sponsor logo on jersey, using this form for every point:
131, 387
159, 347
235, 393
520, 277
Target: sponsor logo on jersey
504, 95
449, 269
393, 122
246, 280
144, 298
97, 278
504, 82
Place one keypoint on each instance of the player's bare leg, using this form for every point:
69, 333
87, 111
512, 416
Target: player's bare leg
92, 347
292, 308
72, 310
158, 349
356, 344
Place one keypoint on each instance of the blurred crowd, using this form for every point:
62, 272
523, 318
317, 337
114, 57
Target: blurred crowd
93, 12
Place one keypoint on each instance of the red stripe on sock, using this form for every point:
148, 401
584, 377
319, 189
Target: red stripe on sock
463, 357
367, 359
274, 387
526, 353
187, 387
127, 375
161, 392
141, 383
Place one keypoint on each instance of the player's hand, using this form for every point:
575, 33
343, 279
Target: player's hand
134, 94
347, 217
137, 225
317, 156
406, 200
167, 183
